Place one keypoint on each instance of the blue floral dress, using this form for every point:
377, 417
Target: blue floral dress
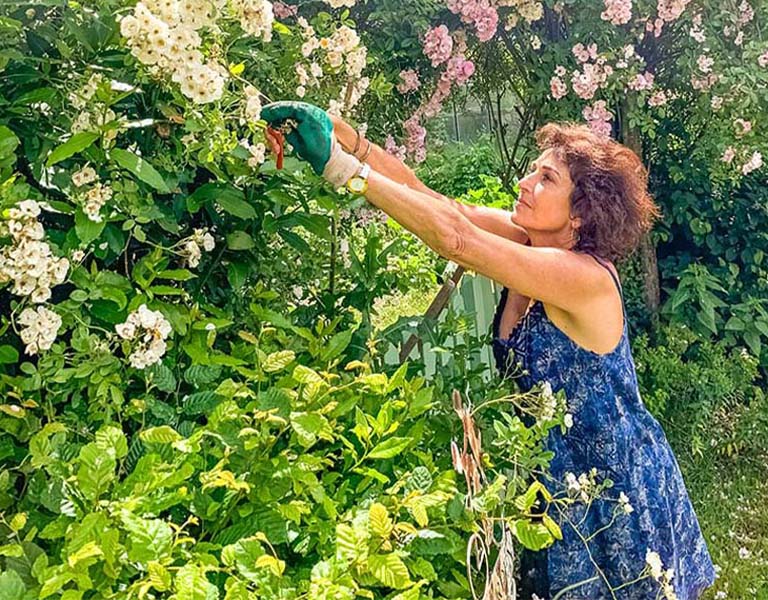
613, 432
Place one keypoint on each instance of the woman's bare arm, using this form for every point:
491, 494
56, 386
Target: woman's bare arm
493, 220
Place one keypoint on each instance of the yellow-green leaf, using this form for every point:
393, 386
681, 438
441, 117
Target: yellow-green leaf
18, 521
379, 520
390, 570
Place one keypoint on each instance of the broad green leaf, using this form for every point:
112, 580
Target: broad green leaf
221, 192
389, 447
112, 438
390, 570
18, 521
277, 361
303, 374
336, 345
240, 240
148, 539
200, 402
235, 205
96, 470
8, 354
162, 377
552, 526
533, 536
86, 229
272, 564
311, 426
160, 435
192, 584
11, 585
176, 274
139, 167
77, 143
379, 520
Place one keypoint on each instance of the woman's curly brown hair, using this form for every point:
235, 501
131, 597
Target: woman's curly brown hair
610, 192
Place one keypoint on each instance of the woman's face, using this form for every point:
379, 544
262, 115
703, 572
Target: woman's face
544, 205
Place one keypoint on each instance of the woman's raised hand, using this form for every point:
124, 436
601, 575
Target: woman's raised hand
310, 131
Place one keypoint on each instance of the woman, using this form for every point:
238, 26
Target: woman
583, 205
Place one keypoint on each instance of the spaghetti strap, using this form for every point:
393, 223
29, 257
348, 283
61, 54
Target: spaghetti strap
610, 272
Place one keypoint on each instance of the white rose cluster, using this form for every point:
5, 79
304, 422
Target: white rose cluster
95, 198
28, 261
664, 577
201, 238
41, 326
151, 329
252, 106
340, 3
343, 52
163, 34
584, 486
256, 17
92, 115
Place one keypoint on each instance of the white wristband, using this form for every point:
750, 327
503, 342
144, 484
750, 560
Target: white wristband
341, 166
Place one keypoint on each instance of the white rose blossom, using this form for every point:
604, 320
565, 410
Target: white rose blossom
151, 329
28, 261
40, 328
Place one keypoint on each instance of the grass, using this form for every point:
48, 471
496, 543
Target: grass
730, 496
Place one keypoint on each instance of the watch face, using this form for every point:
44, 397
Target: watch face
357, 185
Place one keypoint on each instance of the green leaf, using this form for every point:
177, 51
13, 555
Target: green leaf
390, 570
176, 274
221, 192
141, 168
336, 345
311, 426
96, 470
8, 355
235, 205
533, 536
112, 438
552, 527
149, 539
240, 240
8, 142
86, 229
77, 143
390, 447
379, 520
162, 377
11, 586
200, 403
303, 374
277, 361
163, 434
192, 584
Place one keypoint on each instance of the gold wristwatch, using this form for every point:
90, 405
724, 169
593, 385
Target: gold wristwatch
358, 184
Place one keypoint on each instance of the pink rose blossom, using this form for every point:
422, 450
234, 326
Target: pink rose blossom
392, 148
754, 163
658, 98
599, 118
557, 87
618, 12
670, 10
284, 11
762, 60
705, 63
642, 81
728, 155
742, 127
482, 14
438, 45
409, 81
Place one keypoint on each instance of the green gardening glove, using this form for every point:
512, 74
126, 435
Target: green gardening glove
311, 134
